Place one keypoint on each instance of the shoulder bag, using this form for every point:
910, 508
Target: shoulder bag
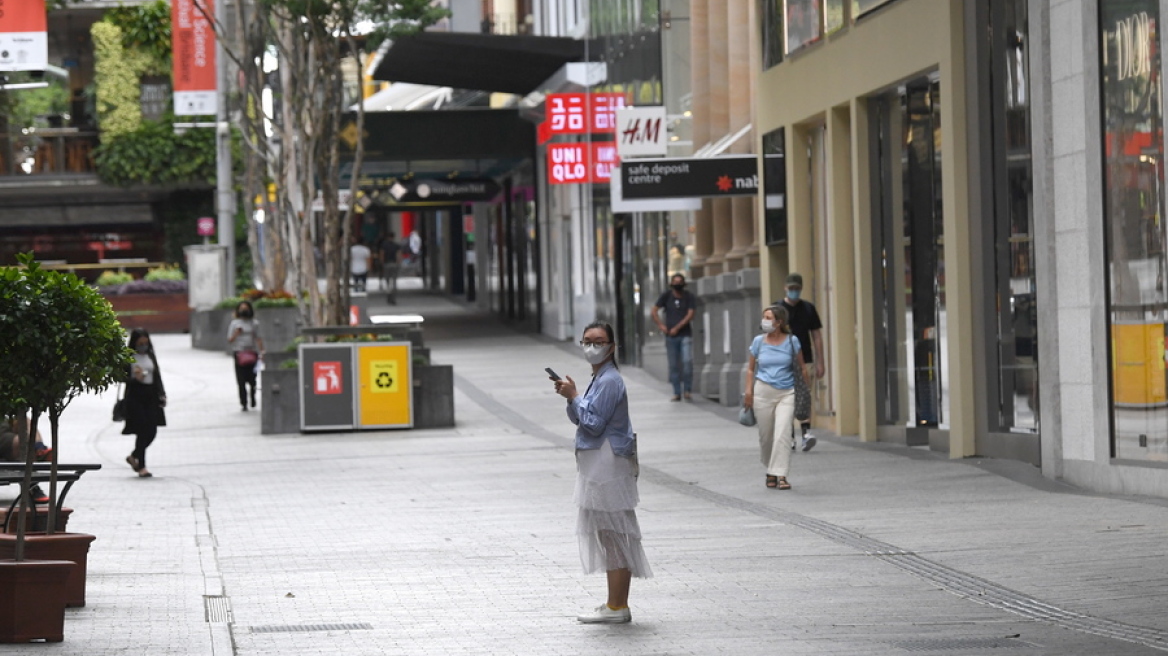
119, 413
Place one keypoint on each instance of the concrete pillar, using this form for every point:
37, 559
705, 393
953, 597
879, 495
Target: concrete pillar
864, 292
719, 122
741, 208
840, 339
700, 76
713, 324
964, 422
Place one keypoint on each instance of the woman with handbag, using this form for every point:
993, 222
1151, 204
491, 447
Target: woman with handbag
247, 347
144, 401
606, 478
776, 359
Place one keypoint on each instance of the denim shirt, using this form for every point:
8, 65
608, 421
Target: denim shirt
602, 412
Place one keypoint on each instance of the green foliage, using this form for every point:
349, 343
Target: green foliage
258, 303
165, 272
398, 18
145, 29
60, 338
153, 154
29, 107
117, 75
111, 278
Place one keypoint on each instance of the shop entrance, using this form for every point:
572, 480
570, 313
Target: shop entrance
909, 262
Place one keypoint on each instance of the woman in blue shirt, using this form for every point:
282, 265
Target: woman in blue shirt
776, 357
606, 480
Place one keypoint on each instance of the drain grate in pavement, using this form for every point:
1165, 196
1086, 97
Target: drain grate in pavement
306, 628
218, 608
953, 644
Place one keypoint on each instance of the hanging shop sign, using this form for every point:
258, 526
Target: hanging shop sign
392, 190
581, 163
684, 178
642, 132
193, 56
580, 113
24, 43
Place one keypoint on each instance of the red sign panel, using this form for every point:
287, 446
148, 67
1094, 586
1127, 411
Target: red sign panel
580, 113
326, 377
604, 157
193, 44
24, 44
603, 114
206, 226
567, 163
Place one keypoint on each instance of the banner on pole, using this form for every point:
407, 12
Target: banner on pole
24, 42
193, 45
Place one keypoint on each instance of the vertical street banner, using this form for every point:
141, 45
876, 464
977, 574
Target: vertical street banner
193, 46
24, 43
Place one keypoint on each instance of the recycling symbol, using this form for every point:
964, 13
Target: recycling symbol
383, 377
384, 380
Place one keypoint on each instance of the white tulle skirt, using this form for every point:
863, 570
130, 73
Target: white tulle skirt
607, 528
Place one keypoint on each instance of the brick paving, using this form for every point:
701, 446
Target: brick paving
460, 541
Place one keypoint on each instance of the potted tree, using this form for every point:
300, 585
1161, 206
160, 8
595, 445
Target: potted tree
58, 338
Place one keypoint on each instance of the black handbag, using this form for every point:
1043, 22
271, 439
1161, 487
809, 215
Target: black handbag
119, 407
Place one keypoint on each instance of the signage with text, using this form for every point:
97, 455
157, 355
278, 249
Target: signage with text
580, 113
686, 178
24, 43
642, 132
604, 158
193, 57
567, 163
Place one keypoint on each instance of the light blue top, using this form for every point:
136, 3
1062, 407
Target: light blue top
775, 365
602, 413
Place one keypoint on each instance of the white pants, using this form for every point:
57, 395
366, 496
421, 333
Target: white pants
774, 409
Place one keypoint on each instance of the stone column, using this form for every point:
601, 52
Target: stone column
700, 76
719, 121
742, 207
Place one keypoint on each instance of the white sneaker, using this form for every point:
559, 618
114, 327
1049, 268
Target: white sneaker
809, 442
605, 615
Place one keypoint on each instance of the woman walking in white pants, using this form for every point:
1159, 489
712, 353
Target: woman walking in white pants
775, 359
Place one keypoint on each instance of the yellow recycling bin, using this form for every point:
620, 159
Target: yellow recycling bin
1138, 354
385, 390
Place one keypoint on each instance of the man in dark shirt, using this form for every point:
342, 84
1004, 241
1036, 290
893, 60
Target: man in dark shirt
390, 252
679, 306
805, 324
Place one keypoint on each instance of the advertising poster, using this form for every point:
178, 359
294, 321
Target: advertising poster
24, 43
193, 50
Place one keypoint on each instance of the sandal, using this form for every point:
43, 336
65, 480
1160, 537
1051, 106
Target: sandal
772, 481
133, 462
783, 484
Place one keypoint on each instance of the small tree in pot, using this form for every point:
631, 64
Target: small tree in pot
58, 338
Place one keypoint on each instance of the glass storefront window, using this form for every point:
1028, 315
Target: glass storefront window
804, 21
1133, 213
834, 15
774, 180
771, 23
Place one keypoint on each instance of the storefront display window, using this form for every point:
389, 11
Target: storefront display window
804, 21
774, 179
771, 23
1133, 155
833, 15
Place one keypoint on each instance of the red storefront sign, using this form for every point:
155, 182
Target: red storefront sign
193, 55
579, 113
604, 157
567, 163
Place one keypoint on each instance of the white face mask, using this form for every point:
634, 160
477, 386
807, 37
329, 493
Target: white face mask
595, 353
767, 326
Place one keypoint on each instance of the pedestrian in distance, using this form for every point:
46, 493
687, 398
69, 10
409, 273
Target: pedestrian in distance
606, 476
679, 306
390, 254
359, 258
14, 440
144, 401
805, 325
776, 359
247, 347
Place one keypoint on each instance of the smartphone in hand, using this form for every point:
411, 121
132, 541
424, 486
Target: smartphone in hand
553, 375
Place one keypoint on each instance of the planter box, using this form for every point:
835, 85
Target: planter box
37, 522
433, 396
71, 547
279, 327
280, 395
158, 313
32, 600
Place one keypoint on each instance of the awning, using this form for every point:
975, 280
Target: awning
487, 62
403, 96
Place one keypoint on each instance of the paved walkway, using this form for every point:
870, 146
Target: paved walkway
460, 541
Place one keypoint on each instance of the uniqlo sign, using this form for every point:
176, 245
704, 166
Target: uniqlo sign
604, 157
567, 163
580, 113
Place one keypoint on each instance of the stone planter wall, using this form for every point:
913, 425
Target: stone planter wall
279, 327
157, 313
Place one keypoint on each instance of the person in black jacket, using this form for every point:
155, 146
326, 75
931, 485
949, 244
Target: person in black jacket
145, 400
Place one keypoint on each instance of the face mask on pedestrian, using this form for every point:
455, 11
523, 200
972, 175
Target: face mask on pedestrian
678, 286
143, 348
793, 294
767, 326
245, 314
596, 353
